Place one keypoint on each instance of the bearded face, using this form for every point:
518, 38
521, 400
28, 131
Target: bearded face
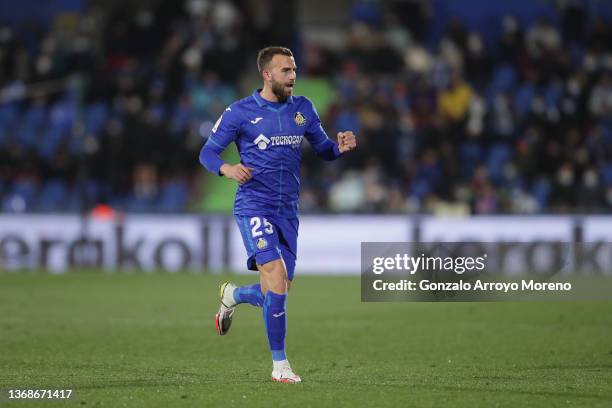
282, 90
282, 78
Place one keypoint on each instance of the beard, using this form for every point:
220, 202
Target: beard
281, 91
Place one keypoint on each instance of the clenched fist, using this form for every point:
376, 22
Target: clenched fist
238, 172
346, 141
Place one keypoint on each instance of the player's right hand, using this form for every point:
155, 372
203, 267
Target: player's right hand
238, 172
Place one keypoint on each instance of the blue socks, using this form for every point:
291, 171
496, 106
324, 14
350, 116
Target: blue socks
249, 294
275, 320
274, 315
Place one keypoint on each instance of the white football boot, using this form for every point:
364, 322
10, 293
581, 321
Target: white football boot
285, 374
223, 318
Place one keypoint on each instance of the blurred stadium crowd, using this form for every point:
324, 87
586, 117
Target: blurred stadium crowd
112, 107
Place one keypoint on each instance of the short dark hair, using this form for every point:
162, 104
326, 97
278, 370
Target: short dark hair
265, 55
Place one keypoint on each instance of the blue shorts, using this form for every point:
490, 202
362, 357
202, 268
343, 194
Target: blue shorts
267, 239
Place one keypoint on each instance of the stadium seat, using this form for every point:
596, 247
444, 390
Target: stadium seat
471, 154
159, 112
84, 195
96, 115
419, 189
606, 176
36, 115
8, 119
134, 203
498, 156
347, 119
52, 196
504, 80
182, 118
33, 120
541, 192
173, 197
20, 198
553, 94
8, 113
522, 99
73, 202
62, 115
50, 141
4, 134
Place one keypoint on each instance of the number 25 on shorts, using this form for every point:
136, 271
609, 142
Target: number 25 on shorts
256, 224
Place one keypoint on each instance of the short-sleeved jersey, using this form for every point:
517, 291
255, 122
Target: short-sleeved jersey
269, 138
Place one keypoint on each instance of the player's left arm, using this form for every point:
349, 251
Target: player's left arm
323, 145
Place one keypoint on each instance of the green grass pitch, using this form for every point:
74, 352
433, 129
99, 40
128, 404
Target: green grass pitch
148, 340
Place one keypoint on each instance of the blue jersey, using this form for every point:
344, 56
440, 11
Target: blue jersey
269, 138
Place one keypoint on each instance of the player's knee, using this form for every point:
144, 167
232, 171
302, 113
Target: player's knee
278, 285
275, 276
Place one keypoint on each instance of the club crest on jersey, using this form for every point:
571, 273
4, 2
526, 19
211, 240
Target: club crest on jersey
262, 243
262, 142
299, 119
